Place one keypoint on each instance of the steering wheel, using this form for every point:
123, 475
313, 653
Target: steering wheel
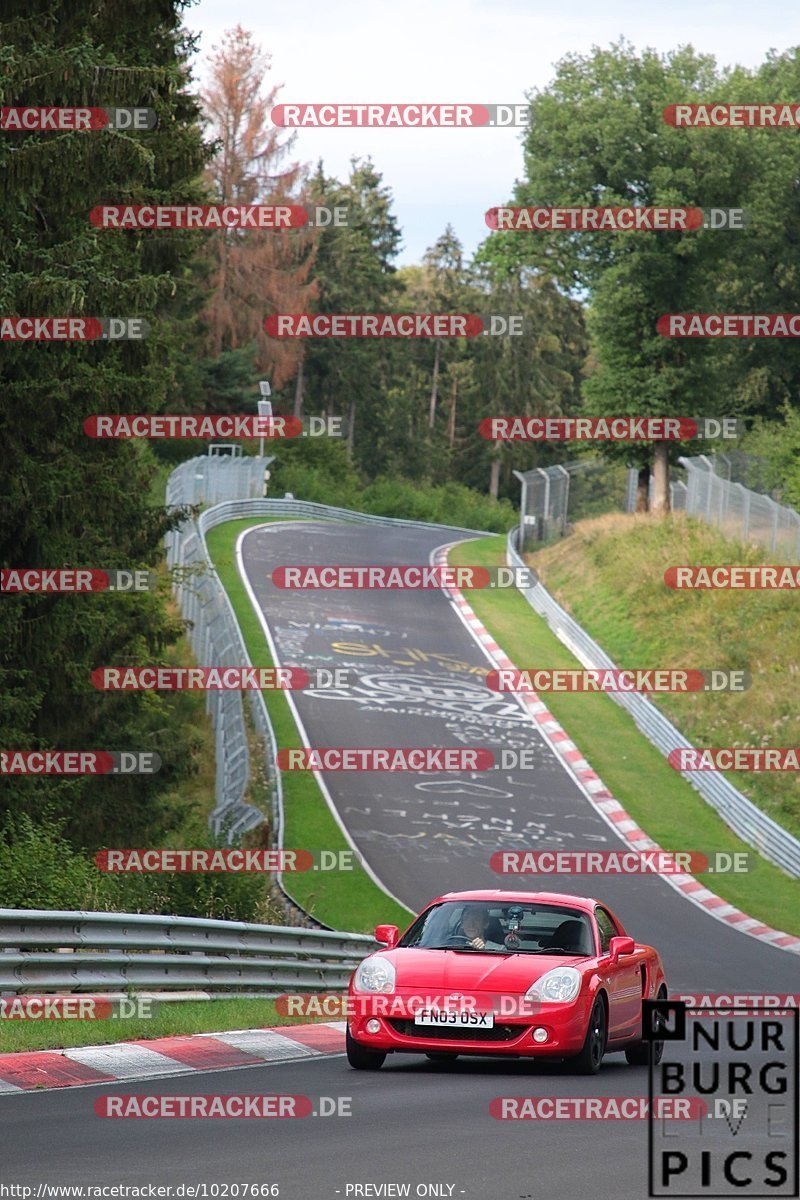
459, 937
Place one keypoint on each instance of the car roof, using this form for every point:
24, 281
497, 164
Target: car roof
501, 896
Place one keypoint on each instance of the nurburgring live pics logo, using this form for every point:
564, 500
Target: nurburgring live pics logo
393, 325
27, 119
394, 116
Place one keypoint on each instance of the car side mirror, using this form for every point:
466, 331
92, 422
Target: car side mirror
389, 935
619, 946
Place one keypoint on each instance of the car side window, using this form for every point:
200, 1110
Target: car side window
606, 927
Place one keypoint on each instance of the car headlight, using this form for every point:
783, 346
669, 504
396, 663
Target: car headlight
558, 986
375, 975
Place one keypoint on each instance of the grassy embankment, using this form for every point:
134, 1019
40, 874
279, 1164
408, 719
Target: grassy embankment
609, 576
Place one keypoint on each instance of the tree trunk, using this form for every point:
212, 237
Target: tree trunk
298, 389
661, 498
435, 385
643, 490
494, 481
351, 425
451, 423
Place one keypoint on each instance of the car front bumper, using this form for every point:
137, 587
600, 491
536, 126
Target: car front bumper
512, 1034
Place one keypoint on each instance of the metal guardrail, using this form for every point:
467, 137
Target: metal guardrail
44, 951
739, 813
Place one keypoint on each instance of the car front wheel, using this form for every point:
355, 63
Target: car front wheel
361, 1058
594, 1045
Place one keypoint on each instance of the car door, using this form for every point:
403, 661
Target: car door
622, 980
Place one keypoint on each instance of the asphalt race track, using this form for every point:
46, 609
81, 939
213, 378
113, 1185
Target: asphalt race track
414, 1122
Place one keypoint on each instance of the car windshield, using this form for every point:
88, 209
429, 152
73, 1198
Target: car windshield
471, 927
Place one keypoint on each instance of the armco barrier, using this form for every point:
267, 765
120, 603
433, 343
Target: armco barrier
739, 813
44, 951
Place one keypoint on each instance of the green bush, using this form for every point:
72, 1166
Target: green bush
39, 869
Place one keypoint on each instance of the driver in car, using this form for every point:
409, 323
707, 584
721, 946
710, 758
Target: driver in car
474, 925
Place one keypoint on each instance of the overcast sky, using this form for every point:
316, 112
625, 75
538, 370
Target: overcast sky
472, 51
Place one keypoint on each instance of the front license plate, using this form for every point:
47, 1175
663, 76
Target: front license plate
454, 1018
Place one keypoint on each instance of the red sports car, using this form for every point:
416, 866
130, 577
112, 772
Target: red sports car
526, 974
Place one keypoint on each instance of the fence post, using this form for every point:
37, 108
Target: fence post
746, 518
774, 538
546, 505
565, 509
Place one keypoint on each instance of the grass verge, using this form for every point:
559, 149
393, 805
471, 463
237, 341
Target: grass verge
171, 1019
656, 796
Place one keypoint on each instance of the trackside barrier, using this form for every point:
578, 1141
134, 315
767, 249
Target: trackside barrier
43, 951
739, 813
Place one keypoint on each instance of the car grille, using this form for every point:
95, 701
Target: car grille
439, 1033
